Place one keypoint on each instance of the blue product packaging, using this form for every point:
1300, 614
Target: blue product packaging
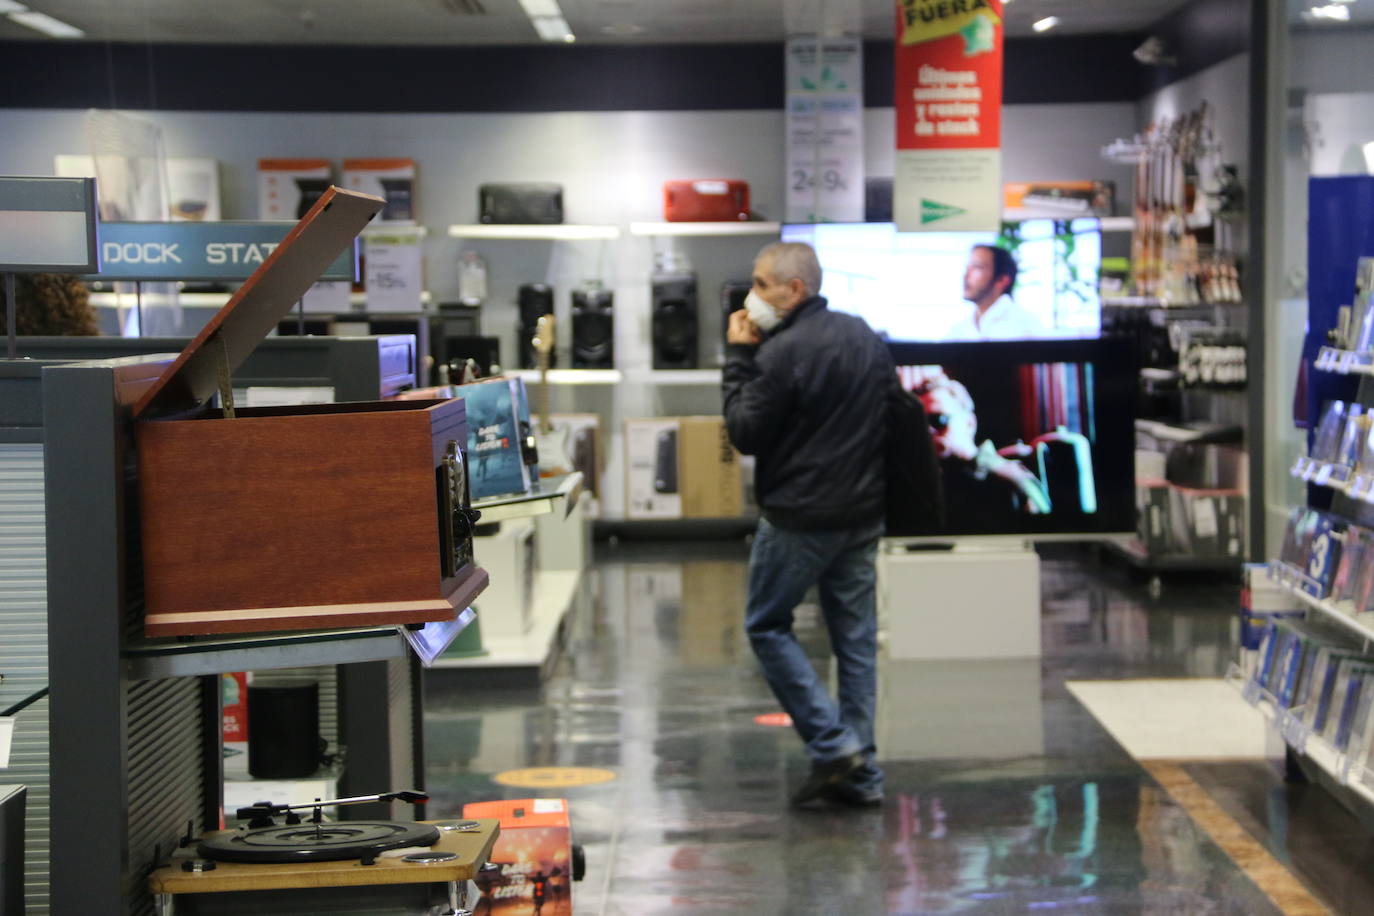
498, 424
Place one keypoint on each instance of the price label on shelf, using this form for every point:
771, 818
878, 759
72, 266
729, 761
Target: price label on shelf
1347, 362
394, 270
1251, 692
1295, 731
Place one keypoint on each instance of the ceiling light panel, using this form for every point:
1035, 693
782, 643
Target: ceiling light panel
552, 28
9, 6
536, 9
46, 24
1044, 25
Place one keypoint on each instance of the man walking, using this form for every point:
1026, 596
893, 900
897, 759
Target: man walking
805, 392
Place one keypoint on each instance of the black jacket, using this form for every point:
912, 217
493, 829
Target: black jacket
810, 403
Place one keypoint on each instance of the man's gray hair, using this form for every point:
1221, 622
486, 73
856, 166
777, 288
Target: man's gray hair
793, 261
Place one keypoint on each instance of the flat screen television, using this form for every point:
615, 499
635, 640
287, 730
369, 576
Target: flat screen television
910, 285
1034, 437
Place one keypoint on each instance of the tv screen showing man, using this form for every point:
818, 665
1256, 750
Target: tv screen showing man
989, 284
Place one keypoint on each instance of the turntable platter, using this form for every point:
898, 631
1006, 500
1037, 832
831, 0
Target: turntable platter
317, 842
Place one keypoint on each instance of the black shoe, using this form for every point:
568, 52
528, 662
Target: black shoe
846, 793
826, 774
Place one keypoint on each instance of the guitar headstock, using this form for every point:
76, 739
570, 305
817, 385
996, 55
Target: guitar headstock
543, 335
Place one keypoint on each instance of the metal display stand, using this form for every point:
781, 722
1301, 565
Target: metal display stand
134, 724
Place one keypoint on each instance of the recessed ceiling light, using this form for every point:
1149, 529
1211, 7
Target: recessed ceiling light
623, 29
570, 38
552, 28
1044, 25
1335, 12
46, 24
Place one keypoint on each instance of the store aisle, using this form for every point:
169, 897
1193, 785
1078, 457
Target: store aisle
1004, 793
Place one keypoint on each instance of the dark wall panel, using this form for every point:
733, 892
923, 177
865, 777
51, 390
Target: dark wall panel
505, 79
1198, 36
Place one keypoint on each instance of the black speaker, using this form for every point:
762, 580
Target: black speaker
485, 351
284, 731
674, 321
535, 300
732, 296
593, 328
877, 200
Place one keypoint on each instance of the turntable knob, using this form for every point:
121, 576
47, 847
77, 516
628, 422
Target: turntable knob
198, 865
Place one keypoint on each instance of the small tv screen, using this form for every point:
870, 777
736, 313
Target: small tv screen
1034, 437
910, 286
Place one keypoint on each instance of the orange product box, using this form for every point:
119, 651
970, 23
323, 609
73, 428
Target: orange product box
536, 857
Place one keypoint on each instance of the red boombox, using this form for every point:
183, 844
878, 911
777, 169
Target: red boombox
706, 200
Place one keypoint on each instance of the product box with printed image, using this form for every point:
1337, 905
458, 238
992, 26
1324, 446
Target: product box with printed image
1207, 523
578, 435
652, 486
498, 437
393, 180
536, 859
287, 188
712, 482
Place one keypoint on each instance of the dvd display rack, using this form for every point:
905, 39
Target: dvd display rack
1307, 658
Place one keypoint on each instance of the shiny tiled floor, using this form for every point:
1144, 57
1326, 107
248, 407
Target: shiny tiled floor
1004, 794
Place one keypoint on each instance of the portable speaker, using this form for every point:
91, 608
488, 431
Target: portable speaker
539, 204
706, 200
593, 329
283, 731
665, 462
535, 299
674, 322
732, 295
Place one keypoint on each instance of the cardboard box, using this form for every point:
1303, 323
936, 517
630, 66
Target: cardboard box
652, 486
712, 481
1207, 523
535, 854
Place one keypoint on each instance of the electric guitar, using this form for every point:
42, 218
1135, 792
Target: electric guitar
552, 443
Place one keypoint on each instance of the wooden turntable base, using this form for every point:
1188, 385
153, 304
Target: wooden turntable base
472, 847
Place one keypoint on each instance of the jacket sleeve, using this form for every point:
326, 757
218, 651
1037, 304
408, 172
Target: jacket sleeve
757, 395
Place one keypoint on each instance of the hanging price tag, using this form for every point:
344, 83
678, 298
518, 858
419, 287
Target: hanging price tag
825, 151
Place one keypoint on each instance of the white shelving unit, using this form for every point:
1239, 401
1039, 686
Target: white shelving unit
1337, 477
682, 377
743, 227
560, 232
574, 376
554, 591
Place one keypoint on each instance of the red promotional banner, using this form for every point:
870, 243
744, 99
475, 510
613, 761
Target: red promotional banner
949, 114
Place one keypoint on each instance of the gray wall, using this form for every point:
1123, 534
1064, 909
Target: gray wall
611, 164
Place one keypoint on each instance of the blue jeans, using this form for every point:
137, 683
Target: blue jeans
783, 565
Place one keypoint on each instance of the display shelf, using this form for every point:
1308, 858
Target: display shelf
1133, 551
742, 227
1296, 735
573, 376
541, 500
554, 593
682, 377
194, 656
1338, 477
1344, 362
1308, 591
1154, 302
1166, 432
560, 232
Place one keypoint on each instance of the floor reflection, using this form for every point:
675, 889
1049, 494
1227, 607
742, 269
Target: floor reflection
1004, 795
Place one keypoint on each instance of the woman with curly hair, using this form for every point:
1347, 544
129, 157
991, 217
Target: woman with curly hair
49, 305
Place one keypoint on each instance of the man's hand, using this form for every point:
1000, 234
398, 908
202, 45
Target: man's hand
742, 330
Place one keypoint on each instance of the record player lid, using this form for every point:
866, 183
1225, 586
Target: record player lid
267, 296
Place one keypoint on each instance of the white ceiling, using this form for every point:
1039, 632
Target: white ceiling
470, 22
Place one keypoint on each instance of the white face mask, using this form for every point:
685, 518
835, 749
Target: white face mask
762, 313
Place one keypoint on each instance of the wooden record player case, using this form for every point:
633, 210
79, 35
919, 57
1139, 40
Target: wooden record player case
288, 518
